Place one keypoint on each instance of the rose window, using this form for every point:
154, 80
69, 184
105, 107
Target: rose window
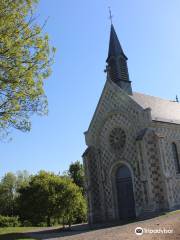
117, 139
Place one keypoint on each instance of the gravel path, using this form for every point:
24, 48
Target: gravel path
170, 221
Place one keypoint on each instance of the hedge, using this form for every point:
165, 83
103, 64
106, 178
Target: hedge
6, 221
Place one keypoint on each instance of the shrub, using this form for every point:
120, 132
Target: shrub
26, 223
9, 221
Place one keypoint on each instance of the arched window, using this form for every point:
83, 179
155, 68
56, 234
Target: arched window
176, 157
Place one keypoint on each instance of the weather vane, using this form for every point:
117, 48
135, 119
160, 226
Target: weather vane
110, 15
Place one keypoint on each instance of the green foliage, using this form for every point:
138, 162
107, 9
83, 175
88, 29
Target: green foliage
9, 221
48, 197
9, 186
76, 172
22, 179
25, 59
42, 199
72, 204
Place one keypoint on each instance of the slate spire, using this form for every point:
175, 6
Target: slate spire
117, 63
115, 48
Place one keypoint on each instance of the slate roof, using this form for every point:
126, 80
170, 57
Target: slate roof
161, 109
115, 48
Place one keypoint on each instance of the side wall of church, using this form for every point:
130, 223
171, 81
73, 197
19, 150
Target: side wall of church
167, 135
150, 171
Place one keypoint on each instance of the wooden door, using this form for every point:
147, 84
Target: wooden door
125, 195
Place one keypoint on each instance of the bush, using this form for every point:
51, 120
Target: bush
9, 221
26, 223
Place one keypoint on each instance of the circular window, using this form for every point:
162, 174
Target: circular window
117, 139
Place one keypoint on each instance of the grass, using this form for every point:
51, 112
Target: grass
16, 233
173, 212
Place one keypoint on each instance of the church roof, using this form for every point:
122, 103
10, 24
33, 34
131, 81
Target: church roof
115, 48
161, 109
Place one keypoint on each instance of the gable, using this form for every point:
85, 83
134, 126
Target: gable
114, 100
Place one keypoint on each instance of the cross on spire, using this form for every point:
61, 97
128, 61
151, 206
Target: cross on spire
110, 15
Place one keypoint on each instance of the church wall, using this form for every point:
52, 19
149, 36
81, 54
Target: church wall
168, 134
151, 172
116, 110
112, 159
93, 185
147, 153
114, 99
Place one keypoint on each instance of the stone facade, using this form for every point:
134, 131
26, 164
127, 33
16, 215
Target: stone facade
124, 133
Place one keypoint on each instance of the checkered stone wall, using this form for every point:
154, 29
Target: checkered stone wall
111, 157
170, 133
112, 101
93, 184
155, 176
116, 110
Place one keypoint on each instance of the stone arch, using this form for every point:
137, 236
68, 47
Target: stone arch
126, 183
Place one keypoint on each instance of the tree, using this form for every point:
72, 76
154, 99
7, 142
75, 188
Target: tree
48, 197
36, 201
9, 186
23, 179
74, 204
7, 194
76, 172
25, 59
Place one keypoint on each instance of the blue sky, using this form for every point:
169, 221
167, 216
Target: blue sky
150, 35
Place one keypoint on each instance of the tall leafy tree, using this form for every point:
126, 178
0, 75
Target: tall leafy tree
76, 172
73, 204
9, 186
7, 194
25, 59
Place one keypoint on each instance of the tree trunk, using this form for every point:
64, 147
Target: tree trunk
69, 222
63, 223
48, 221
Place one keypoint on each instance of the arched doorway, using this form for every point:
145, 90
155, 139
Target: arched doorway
125, 195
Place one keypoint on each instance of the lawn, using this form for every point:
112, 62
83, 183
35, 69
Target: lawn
173, 212
16, 233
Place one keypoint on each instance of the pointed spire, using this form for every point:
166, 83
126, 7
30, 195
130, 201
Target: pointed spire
117, 63
115, 48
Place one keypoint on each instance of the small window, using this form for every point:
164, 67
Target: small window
176, 158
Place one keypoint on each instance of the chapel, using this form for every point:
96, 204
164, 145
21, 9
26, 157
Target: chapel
132, 160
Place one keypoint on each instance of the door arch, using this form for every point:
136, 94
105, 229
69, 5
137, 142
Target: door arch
125, 195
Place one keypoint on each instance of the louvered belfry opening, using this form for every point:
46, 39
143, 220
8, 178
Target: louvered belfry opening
124, 76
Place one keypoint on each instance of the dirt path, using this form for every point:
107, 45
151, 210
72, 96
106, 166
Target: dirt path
170, 221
